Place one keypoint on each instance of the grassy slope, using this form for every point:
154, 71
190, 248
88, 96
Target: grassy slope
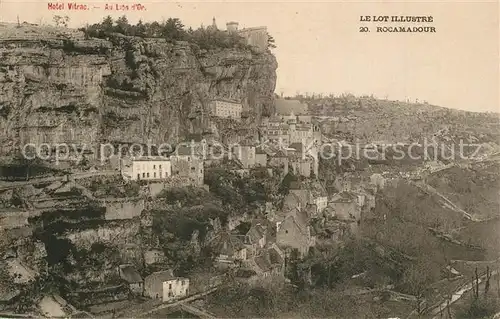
474, 189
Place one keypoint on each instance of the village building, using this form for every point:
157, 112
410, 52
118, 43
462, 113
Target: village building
230, 248
187, 162
377, 180
226, 108
293, 233
301, 165
346, 206
312, 194
153, 256
246, 154
146, 168
288, 129
164, 285
260, 157
256, 37
279, 160
129, 274
270, 262
258, 236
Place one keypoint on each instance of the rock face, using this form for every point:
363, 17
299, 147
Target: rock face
56, 86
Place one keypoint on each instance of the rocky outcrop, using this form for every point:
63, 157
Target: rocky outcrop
56, 86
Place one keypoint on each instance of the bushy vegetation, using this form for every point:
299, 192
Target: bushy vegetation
275, 301
113, 188
172, 30
234, 190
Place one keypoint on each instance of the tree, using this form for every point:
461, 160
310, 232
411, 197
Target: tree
270, 42
122, 25
173, 30
107, 24
416, 280
140, 29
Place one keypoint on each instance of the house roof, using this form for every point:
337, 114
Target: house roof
263, 263
275, 256
227, 243
255, 233
295, 185
279, 153
291, 201
260, 150
267, 259
318, 190
222, 99
298, 147
344, 197
162, 276
130, 274
301, 218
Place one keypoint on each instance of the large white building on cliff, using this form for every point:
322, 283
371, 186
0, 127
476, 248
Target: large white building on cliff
226, 108
146, 168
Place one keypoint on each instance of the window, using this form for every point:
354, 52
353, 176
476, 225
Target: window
154, 174
138, 176
160, 166
143, 175
169, 286
154, 166
148, 175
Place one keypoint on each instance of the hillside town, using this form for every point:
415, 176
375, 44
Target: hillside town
178, 184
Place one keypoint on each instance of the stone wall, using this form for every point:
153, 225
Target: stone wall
123, 209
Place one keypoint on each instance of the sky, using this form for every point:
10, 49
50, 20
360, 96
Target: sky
320, 49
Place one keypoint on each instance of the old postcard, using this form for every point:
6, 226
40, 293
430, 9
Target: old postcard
249, 159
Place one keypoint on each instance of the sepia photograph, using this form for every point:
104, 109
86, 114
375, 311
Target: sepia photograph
250, 159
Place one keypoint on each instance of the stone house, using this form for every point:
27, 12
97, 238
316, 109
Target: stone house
246, 154
294, 233
188, 162
175, 288
132, 277
345, 206
279, 160
301, 165
230, 248
270, 262
343, 183
164, 285
294, 201
153, 256
146, 168
258, 236
260, 157
378, 181
312, 193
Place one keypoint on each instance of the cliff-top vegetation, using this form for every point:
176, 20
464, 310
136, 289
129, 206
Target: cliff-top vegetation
171, 29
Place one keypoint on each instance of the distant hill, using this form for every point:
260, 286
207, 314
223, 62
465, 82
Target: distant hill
287, 106
371, 119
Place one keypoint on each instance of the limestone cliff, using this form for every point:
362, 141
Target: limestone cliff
56, 86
